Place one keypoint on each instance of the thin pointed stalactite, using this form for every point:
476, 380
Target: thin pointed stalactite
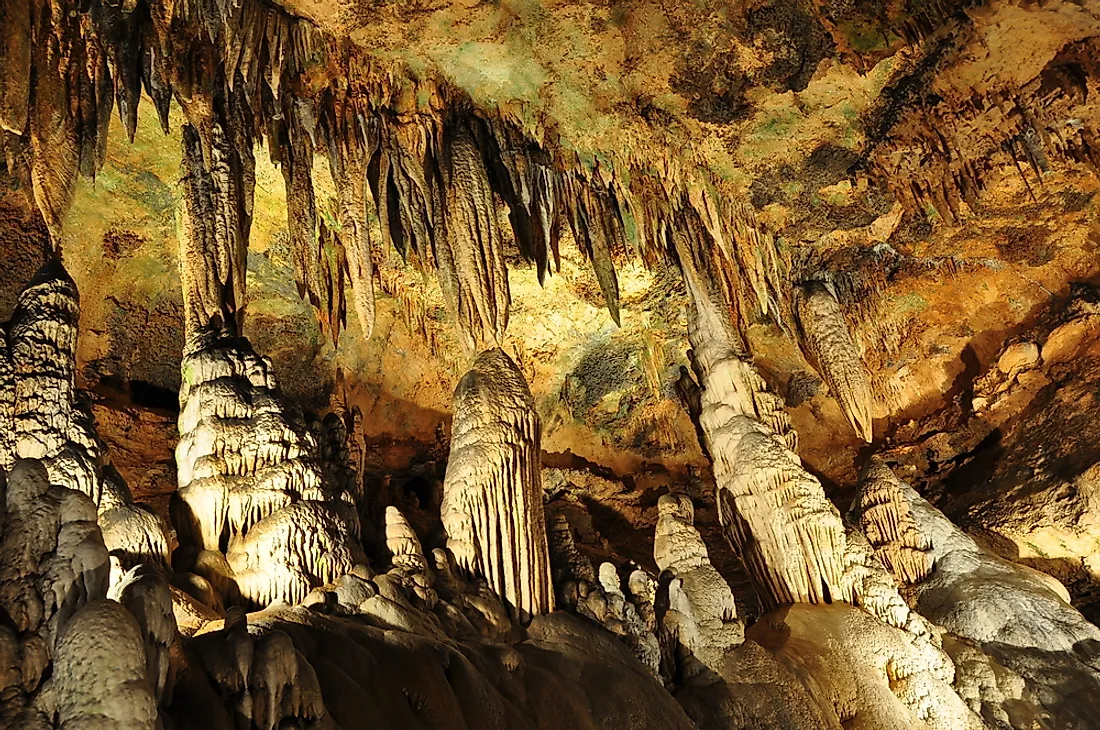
492, 493
524, 178
772, 510
349, 143
596, 225
403, 176
296, 162
824, 336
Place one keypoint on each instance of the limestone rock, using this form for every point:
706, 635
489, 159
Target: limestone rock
492, 493
829, 346
699, 610
252, 483
885, 516
100, 678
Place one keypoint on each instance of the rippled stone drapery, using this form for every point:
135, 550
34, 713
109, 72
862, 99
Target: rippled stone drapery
492, 493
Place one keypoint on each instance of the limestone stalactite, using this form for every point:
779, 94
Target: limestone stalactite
349, 144
470, 257
492, 493
828, 345
213, 231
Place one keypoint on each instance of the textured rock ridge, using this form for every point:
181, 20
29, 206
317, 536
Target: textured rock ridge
252, 484
492, 493
884, 515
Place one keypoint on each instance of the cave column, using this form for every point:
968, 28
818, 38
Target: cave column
772, 510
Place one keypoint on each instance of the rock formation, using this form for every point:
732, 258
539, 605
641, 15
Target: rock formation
45, 418
774, 511
492, 494
700, 612
251, 483
829, 346
884, 515
905, 192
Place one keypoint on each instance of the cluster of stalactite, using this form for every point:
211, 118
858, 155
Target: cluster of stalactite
437, 168
936, 151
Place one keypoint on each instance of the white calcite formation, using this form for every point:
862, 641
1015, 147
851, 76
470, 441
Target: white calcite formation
1043, 654
492, 493
828, 345
252, 485
699, 610
883, 514
68, 657
43, 417
775, 513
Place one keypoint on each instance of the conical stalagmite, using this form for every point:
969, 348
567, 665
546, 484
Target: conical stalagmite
885, 516
492, 493
829, 346
774, 512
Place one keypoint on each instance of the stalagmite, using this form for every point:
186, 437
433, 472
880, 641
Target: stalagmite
699, 610
886, 518
403, 543
252, 484
43, 417
492, 493
602, 599
80, 656
829, 346
100, 678
773, 511
146, 595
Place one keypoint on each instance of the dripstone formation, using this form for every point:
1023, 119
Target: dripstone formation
305, 581
492, 494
